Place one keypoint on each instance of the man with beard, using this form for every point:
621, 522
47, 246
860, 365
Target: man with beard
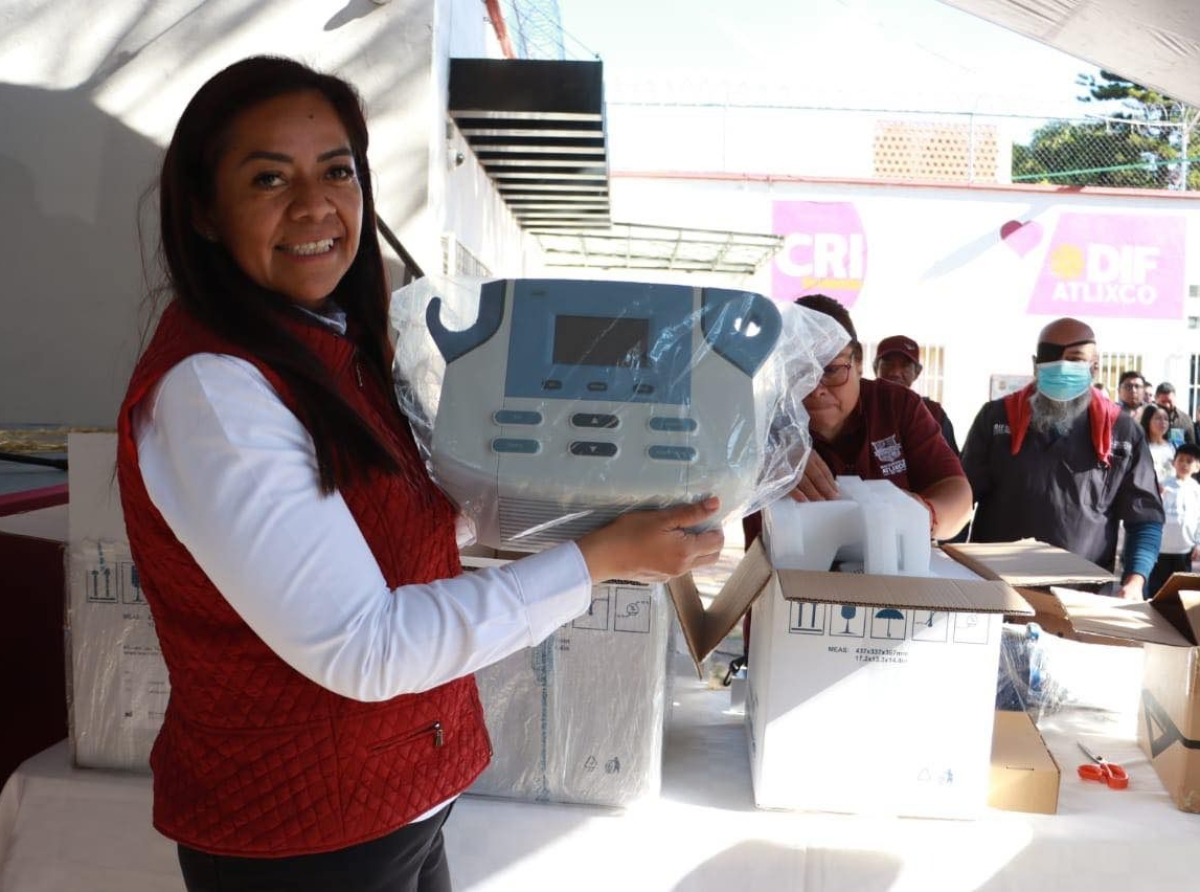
1058, 462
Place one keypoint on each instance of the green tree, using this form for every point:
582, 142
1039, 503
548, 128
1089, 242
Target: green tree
1167, 126
1073, 154
1147, 141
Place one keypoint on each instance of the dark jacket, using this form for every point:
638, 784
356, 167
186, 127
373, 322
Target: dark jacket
1056, 488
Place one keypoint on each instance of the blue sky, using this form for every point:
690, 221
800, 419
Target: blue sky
894, 54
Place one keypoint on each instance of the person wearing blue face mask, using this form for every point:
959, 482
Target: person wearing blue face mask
1060, 462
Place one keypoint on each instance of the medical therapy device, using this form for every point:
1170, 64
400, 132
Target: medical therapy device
569, 402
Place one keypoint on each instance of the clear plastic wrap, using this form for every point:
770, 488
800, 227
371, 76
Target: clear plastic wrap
581, 717
117, 679
1041, 673
547, 407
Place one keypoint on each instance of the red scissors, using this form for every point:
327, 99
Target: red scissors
1103, 771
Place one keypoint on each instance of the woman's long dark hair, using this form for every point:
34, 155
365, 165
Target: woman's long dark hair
1148, 413
210, 285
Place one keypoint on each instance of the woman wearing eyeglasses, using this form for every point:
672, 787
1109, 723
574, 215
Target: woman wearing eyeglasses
875, 430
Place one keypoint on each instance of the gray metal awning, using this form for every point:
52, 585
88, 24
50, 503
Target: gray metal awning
634, 246
537, 127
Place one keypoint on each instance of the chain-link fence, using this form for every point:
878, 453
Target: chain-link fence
1090, 151
1112, 152
910, 146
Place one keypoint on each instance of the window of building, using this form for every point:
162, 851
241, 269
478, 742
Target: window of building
457, 260
1111, 366
933, 361
933, 374
1193, 388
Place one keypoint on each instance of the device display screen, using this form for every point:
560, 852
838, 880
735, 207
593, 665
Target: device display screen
601, 341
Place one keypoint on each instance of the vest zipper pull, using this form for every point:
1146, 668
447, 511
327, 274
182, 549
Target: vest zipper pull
438, 738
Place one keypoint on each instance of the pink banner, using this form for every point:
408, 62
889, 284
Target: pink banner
824, 250
1112, 265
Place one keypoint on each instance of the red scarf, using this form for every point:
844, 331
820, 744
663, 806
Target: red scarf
1102, 415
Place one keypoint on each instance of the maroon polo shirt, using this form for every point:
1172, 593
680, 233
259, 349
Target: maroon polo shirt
890, 435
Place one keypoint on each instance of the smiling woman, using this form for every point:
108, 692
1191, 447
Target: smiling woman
288, 205
301, 567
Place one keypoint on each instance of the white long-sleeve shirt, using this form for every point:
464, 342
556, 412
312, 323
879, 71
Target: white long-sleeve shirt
233, 473
1181, 506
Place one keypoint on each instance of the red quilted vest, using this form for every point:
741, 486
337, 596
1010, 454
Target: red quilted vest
253, 759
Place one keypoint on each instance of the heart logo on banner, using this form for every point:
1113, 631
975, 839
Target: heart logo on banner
1021, 237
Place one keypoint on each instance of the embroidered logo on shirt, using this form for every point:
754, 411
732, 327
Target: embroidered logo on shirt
1000, 429
1122, 447
890, 456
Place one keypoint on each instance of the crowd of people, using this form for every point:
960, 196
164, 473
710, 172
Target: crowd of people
1057, 461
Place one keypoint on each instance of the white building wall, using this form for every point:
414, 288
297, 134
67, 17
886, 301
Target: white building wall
938, 270
89, 94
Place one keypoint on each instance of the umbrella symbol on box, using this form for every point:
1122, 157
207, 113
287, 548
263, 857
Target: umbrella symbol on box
889, 614
849, 611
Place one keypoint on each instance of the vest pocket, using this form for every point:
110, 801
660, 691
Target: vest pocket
433, 733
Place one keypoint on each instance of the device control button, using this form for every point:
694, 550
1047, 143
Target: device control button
517, 416
551, 384
593, 448
673, 453
516, 445
597, 386
643, 388
595, 419
673, 425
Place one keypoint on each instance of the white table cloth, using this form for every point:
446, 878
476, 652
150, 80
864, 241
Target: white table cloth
69, 829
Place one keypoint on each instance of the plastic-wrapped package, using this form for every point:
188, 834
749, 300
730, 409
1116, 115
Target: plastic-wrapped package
581, 717
547, 407
118, 686
1042, 673
1021, 685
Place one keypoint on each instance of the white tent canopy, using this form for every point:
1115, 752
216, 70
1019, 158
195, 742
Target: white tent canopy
1155, 43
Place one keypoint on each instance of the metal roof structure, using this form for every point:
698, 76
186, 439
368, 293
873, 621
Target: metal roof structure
634, 246
537, 127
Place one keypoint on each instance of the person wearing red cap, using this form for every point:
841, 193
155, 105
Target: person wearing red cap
876, 431
898, 359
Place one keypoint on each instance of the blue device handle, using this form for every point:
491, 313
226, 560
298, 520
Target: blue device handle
726, 318
453, 344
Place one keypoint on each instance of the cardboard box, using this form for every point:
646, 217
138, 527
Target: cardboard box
1024, 775
866, 693
1033, 568
118, 685
581, 717
1168, 626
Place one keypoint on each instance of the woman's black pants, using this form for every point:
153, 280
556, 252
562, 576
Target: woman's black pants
411, 859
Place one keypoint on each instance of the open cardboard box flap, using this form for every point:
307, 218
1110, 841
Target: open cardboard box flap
931, 593
1172, 617
704, 629
1027, 563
